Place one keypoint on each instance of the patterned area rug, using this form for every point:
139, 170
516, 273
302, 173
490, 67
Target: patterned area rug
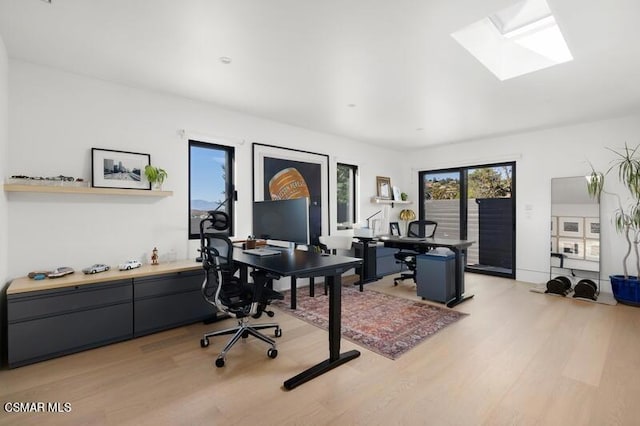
385, 324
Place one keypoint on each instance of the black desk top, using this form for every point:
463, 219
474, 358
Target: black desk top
297, 262
433, 242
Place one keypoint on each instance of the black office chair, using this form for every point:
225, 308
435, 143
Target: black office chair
416, 229
228, 293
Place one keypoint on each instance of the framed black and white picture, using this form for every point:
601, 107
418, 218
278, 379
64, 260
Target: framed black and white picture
592, 250
571, 227
119, 169
383, 186
394, 229
571, 248
592, 227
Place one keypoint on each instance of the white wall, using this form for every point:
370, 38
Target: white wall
4, 244
540, 156
55, 118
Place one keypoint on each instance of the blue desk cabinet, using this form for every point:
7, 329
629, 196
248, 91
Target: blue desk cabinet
168, 301
46, 324
435, 277
386, 263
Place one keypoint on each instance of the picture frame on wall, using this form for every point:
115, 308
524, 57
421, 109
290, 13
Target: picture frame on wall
284, 173
571, 227
554, 226
592, 227
572, 248
592, 250
554, 245
119, 169
383, 185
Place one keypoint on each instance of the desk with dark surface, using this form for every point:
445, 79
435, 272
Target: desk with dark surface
303, 264
419, 244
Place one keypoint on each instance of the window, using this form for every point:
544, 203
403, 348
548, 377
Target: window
210, 183
346, 194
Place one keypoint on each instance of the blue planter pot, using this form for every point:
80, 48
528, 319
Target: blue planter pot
626, 290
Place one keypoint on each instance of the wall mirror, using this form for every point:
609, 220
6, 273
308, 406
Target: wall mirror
575, 233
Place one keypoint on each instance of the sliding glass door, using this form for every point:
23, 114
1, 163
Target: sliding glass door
475, 203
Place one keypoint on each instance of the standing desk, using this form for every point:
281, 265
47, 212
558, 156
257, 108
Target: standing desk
419, 244
304, 264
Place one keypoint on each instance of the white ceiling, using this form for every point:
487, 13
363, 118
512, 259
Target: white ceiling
304, 61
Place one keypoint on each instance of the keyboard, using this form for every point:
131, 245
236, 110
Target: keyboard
261, 252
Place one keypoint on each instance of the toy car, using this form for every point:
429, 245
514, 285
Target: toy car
95, 268
60, 272
129, 264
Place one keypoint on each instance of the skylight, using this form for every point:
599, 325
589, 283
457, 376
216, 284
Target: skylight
518, 40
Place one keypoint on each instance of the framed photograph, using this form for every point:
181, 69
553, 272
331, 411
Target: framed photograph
283, 173
383, 184
592, 227
571, 227
394, 229
571, 248
592, 250
554, 226
119, 169
554, 245
396, 194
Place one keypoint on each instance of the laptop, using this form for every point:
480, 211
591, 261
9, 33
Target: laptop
261, 252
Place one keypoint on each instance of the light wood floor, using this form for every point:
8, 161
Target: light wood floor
519, 358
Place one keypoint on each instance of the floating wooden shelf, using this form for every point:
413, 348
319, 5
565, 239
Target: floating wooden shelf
84, 190
377, 200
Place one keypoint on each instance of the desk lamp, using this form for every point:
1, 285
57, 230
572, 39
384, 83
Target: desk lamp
407, 215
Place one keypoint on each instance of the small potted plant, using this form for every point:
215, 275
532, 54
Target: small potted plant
155, 175
626, 288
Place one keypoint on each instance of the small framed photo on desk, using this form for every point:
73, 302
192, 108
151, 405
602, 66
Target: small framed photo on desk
394, 229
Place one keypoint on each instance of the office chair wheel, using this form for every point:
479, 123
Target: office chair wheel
219, 362
204, 343
271, 353
245, 334
278, 332
270, 314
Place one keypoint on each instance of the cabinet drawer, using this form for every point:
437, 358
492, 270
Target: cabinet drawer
37, 340
179, 282
42, 304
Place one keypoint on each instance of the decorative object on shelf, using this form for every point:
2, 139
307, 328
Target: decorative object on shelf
129, 264
60, 272
59, 180
404, 196
283, 173
154, 256
383, 185
118, 169
396, 194
407, 215
95, 268
394, 229
626, 288
156, 176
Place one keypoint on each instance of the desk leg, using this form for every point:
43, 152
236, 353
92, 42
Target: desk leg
335, 357
458, 280
294, 292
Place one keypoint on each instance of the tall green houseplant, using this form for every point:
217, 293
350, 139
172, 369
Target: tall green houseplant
626, 165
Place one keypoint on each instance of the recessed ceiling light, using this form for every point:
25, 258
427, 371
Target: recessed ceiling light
47, 1
420, 128
351, 105
225, 60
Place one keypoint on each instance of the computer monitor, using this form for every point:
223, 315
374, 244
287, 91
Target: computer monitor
282, 220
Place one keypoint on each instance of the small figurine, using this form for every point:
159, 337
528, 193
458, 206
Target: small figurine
154, 256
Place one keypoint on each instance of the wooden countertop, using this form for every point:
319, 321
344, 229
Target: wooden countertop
26, 284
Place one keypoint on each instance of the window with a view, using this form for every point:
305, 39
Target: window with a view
346, 194
210, 183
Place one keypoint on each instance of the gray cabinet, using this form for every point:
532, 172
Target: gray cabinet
50, 323
386, 263
168, 301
